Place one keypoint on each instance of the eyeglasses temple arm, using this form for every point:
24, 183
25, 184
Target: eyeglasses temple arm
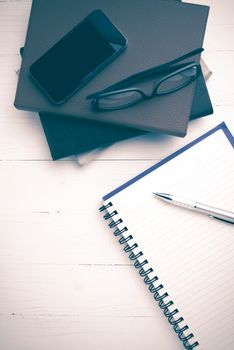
146, 73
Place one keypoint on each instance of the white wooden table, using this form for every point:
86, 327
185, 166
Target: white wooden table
64, 281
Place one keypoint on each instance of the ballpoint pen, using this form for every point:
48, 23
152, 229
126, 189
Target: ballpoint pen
216, 213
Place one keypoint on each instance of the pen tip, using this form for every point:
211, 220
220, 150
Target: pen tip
163, 195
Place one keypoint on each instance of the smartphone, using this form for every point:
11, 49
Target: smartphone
78, 56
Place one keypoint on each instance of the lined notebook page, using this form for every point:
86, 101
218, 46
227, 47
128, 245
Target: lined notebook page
191, 253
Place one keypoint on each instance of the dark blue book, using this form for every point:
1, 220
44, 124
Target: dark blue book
67, 136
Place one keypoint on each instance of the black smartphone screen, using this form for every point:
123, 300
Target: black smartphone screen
77, 57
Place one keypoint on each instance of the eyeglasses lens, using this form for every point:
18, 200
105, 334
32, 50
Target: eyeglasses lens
178, 80
119, 100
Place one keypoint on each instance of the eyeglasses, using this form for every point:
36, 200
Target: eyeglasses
175, 77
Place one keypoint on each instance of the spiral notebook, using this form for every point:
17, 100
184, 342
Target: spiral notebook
185, 258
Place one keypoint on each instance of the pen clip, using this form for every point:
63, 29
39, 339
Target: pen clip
215, 217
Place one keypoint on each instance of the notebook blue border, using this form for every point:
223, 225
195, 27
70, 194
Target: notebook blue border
222, 126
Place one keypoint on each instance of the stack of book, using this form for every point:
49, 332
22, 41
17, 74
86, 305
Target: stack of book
157, 31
